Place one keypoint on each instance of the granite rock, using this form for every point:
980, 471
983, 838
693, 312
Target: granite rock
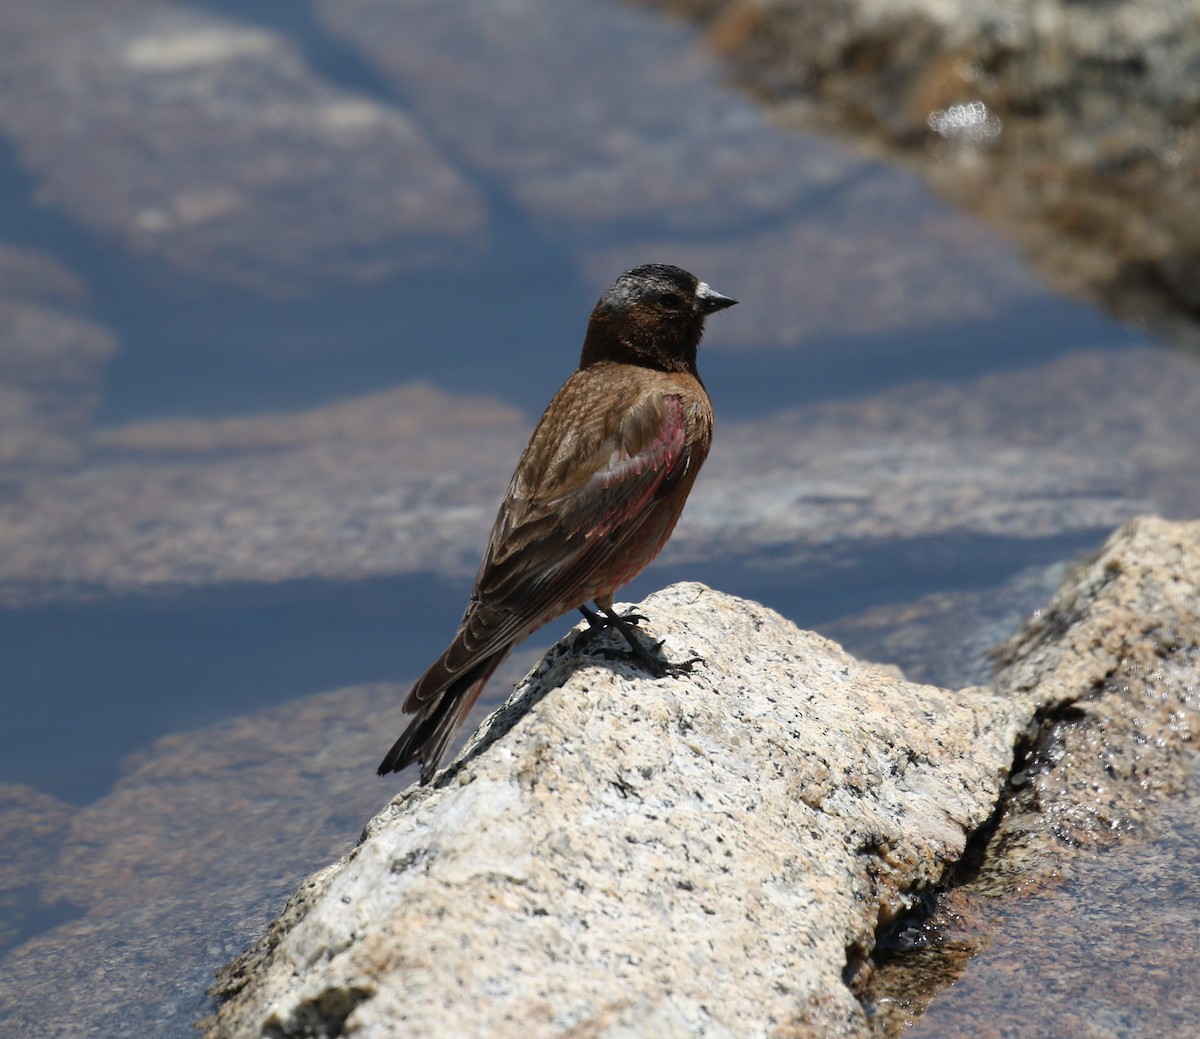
617, 856
718, 855
1113, 662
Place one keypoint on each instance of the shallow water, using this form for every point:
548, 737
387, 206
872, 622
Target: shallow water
242, 719
1100, 953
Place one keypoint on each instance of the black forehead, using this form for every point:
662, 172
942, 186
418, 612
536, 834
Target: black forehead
651, 279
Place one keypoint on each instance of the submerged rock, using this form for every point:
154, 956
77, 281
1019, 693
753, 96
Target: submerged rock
652, 155
51, 361
216, 146
406, 480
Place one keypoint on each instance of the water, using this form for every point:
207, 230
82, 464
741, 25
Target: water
128, 703
98, 681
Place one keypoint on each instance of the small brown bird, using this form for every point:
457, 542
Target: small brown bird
593, 500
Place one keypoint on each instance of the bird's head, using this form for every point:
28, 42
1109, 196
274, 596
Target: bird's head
653, 316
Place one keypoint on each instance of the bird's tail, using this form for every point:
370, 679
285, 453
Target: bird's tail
438, 716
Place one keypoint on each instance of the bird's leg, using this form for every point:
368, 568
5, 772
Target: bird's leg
607, 618
626, 624
599, 622
595, 621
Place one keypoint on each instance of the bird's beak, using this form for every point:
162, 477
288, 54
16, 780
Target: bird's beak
711, 300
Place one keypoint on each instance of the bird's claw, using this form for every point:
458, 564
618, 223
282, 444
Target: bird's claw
656, 666
675, 668
648, 658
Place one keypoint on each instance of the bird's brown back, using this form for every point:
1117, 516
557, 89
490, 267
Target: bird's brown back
573, 484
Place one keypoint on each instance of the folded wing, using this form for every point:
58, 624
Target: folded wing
567, 520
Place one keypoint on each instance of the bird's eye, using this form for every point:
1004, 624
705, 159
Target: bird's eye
669, 299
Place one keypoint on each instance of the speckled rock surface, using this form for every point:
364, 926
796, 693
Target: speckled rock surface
1115, 660
718, 855
1114, 664
617, 856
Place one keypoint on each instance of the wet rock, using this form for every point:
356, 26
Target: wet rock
1115, 940
1026, 454
618, 855
402, 481
32, 826
1115, 658
1114, 663
846, 266
1072, 126
947, 637
586, 142
213, 144
29, 275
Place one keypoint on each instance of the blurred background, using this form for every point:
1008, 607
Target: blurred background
284, 287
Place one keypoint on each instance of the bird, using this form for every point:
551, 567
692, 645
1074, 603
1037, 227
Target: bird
594, 497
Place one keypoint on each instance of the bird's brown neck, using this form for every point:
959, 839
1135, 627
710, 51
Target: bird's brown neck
631, 341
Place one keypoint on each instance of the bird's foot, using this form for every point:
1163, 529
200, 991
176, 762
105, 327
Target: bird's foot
610, 619
649, 659
657, 666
